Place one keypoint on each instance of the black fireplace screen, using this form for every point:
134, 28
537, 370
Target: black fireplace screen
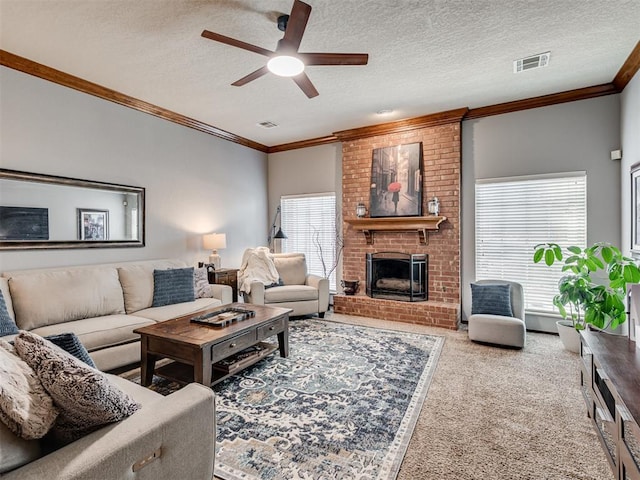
397, 276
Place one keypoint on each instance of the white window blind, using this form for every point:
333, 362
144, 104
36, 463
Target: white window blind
309, 221
514, 215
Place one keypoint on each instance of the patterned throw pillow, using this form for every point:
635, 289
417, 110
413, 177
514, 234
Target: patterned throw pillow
492, 299
25, 407
7, 325
201, 283
171, 286
71, 344
85, 397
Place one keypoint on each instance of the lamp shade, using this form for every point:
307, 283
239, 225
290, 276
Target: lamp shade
280, 234
214, 241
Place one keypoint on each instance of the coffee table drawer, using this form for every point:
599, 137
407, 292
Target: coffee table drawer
233, 345
271, 328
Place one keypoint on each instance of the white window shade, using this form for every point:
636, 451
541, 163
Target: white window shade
516, 214
309, 221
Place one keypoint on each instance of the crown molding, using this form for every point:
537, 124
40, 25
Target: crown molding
312, 142
435, 119
542, 101
629, 68
30, 67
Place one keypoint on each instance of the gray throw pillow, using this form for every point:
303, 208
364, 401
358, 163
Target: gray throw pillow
492, 299
72, 344
7, 325
171, 286
86, 398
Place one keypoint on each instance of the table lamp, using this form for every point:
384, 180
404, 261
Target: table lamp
213, 242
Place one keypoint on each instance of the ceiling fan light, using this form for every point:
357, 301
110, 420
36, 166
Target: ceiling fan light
285, 66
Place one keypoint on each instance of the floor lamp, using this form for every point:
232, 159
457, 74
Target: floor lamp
275, 235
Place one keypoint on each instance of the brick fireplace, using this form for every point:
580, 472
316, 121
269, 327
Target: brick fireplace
440, 137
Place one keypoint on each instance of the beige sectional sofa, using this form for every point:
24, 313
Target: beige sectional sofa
169, 437
101, 304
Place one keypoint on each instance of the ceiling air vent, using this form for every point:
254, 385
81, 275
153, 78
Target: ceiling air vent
529, 63
267, 124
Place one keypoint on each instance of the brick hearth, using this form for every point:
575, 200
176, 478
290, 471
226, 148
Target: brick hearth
441, 177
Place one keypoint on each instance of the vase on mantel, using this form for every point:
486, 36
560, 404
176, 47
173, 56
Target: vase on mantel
350, 287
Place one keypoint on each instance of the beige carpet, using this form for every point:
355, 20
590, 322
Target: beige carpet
494, 413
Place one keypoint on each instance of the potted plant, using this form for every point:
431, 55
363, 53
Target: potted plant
583, 301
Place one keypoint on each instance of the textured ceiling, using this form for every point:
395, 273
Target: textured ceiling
425, 56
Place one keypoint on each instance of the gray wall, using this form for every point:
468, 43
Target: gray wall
630, 135
308, 170
195, 183
567, 137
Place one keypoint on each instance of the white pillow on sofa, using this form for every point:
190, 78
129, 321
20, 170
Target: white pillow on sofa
25, 406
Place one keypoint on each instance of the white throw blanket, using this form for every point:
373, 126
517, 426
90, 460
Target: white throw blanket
257, 266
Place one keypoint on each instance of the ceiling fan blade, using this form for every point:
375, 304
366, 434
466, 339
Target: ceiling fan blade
296, 24
236, 43
305, 85
334, 58
252, 76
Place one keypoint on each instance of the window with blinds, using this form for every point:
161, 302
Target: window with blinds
309, 221
513, 215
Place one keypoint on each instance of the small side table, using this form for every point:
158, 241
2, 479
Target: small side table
226, 276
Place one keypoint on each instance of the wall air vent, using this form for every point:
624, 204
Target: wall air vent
529, 63
267, 124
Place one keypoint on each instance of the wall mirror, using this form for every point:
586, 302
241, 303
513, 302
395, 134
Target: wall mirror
44, 211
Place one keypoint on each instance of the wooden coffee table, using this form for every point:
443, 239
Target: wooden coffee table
195, 347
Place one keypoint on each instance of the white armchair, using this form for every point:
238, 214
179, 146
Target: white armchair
304, 293
489, 323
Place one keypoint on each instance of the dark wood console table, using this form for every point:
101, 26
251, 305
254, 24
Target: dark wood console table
610, 382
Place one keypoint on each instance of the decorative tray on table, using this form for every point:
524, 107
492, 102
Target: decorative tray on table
224, 317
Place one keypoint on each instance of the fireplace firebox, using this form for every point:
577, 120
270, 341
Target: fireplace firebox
397, 276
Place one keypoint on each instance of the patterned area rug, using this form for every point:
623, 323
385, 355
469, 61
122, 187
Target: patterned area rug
342, 406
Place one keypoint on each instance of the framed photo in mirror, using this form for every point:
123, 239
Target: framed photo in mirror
93, 225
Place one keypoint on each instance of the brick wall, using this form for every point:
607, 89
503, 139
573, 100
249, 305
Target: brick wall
441, 177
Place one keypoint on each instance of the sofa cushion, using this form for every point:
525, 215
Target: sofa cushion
7, 325
174, 285
143, 396
137, 282
101, 332
52, 297
85, 396
489, 298
70, 344
292, 268
290, 293
25, 407
16, 451
160, 314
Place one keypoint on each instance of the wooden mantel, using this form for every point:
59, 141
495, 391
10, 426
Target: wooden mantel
421, 225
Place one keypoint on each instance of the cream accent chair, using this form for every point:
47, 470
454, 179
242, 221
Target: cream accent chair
499, 329
304, 293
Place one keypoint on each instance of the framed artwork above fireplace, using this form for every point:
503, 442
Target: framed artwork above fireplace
396, 181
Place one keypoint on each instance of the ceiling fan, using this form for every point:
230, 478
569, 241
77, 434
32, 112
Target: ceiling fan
286, 61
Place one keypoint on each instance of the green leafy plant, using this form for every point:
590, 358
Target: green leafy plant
581, 299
